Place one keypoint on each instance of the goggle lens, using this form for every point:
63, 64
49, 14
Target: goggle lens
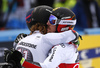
52, 19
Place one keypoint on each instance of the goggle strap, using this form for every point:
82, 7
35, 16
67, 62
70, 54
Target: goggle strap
57, 21
56, 28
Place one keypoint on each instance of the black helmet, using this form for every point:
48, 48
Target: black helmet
64, 19
40, 14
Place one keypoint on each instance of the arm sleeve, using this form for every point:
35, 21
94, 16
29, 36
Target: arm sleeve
54, 59
57, 38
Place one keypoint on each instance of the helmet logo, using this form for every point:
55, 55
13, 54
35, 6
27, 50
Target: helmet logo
32, 19
66, 17
48, 10
55, 9
67, 22
64, 29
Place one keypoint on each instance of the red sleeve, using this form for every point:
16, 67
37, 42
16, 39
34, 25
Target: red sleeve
29, 65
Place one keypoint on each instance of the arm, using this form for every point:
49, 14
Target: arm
55, 58
64, 37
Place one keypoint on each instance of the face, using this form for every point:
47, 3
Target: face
51, 28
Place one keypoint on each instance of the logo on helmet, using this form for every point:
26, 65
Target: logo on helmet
55, 9
66, 17
64, 29
32, 19
48, 10
67, 22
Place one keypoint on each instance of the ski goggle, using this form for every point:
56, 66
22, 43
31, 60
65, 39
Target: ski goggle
54, 20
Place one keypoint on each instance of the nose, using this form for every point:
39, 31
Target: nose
48, 23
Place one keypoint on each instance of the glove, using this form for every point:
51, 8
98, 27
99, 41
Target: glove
7, 54
17, 61
76, 43
19, 37
76, 40
77, 36
14, 57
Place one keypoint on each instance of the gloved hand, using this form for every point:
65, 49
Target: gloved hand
14, 58
77, 43
76, 40
17, 61
77, 36
7, 54
20, 36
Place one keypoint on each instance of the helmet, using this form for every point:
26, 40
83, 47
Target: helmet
63, 18
28, 17
39, 14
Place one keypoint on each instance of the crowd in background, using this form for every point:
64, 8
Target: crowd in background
13, 12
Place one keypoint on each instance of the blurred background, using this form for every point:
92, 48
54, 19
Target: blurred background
12, 22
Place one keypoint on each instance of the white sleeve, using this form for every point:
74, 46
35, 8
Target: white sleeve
54, 59
57, 38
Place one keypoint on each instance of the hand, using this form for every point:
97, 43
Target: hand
76, 40
7, 54
77, 36
19, 37
15, 59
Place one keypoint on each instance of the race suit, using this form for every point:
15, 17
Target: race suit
64, 54
35, 47
61, 56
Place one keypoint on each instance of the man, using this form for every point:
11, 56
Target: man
42, 40
64, 54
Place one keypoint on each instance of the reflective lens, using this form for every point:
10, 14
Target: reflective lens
52, 19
